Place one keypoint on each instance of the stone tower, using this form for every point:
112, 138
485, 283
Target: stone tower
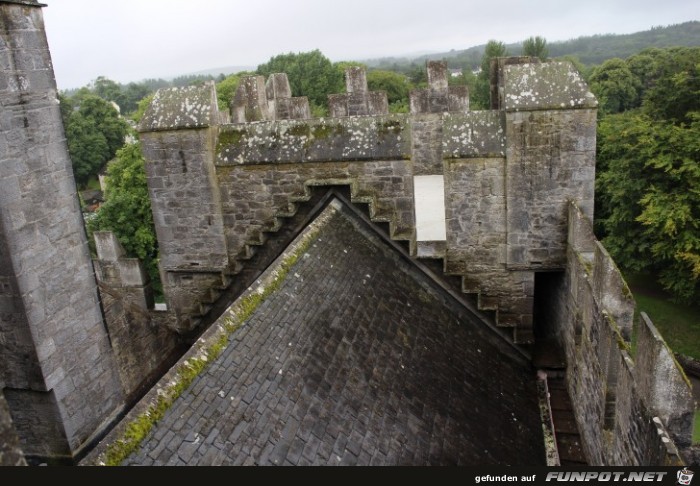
57, 368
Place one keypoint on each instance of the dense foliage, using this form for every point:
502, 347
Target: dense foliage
127, 210
310, 74
648, 172
94, 132
397, 87
536, 47
481, 94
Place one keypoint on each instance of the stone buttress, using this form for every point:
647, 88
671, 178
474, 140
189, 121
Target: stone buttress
58, 372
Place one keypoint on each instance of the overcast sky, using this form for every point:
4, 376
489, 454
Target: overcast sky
130, 40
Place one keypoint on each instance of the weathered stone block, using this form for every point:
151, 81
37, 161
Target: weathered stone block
474, 134
544, 86
662, 383
185, 107
355, 80
437, 75
314, 140
277, 86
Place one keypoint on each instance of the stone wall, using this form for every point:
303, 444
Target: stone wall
507, 175
140, 335
629, 411
60, 380
10, 452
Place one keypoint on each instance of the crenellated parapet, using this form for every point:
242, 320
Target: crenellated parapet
631, 409
485, 191
502, 199
358, 100
257, 100
439, 97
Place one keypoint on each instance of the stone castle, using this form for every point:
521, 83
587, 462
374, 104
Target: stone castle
496, 204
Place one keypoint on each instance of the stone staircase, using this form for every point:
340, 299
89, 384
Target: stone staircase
548, 358
241, 269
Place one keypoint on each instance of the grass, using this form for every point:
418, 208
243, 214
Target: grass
678, 324
93, 184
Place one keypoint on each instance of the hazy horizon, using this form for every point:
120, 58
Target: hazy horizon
134, 40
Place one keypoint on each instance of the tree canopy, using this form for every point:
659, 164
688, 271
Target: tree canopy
481, 95
648, 165
397, 87
649, 190
94, 132
616, 86
536, 47
310, 74
127, 210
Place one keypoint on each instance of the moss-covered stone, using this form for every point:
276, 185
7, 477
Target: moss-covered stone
185, 372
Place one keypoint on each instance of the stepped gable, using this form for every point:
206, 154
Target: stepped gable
356, 358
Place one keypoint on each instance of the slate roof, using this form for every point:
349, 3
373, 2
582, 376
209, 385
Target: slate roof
357, 358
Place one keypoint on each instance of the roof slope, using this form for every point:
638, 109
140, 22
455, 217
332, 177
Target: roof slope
357, 358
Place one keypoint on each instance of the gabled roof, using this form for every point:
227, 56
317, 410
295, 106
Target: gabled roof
354, 357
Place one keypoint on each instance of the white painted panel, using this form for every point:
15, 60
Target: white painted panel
429, 192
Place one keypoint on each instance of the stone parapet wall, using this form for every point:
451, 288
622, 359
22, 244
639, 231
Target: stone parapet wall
630, 411
316, 140
550, 160
254, 196
507, 174
358, 101
10, 451
141, 337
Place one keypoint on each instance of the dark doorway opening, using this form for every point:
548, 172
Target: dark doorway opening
547, 313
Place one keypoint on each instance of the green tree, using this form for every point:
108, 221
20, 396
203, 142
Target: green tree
310, 74
127, 210
109, 90
226, 90
673, 84
87, 147
616, 86
397, 87
141, 108
418, 75
492, 50
649, 194
94, 132
536, 47
132, 94
481, 96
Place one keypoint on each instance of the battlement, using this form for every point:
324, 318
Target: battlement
631, 410
518, 84
387, 159
500, 200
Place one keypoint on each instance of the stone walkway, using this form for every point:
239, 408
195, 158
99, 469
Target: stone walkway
357, 359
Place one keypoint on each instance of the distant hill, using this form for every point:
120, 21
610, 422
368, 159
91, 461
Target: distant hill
589, 50
226, 70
